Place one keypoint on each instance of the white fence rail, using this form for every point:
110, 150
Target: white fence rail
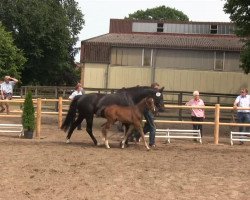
178, 134
239, 136
11, 128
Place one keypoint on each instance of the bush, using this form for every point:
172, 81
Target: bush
28, 117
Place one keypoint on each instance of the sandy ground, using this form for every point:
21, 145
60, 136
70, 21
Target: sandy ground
51, 169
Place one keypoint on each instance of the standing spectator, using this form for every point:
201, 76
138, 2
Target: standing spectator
150, 125
243, 116
78, 91
197, 114
7, 90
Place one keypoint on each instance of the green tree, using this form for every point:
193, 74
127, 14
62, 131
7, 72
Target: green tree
239, 11
47, 32
11, 58
159, 13
28, 116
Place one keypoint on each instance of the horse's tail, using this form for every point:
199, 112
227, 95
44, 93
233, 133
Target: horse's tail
71, 115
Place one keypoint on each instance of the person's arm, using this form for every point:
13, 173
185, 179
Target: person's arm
1, 92
236, 103
189, 103
71, 97
14, 79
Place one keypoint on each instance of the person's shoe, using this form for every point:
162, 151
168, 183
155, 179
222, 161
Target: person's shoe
152, 145
241, 143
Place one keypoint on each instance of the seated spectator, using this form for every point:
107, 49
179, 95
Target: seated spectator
7, 90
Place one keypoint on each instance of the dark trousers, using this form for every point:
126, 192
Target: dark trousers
149, 126
197, 126
243, 117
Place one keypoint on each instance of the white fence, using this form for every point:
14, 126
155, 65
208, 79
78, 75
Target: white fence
11, 128
239, 136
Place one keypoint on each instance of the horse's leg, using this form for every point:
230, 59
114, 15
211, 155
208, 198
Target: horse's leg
125, 130
73, 126
89, 128
104, 134
129, 131
139, 128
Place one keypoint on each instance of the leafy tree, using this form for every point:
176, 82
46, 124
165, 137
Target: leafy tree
159, 13
239, 11
47, 32
11, 58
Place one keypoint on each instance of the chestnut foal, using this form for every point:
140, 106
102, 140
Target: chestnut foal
131, 115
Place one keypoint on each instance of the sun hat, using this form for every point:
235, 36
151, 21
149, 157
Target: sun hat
196, 93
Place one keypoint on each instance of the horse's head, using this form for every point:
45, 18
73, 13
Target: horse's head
158, 99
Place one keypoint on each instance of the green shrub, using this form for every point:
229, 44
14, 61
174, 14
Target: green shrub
28, 117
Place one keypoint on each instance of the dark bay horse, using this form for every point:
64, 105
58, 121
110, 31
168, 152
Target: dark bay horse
89, 104
131, 115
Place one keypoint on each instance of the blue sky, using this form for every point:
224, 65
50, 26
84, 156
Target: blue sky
97, 13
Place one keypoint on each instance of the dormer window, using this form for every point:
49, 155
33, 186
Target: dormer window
213, 29
160, 27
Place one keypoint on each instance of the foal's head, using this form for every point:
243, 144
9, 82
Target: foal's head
150, 104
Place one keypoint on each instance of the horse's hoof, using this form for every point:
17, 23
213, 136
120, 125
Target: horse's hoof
98, 144
120, 144
67, 141
108, 147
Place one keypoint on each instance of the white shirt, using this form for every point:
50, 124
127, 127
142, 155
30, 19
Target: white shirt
7, 87
75, 93
243, 102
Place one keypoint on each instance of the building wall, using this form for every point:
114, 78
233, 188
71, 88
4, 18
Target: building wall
95, 75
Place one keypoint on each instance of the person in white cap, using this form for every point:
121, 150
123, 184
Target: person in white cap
7, 90
197, 114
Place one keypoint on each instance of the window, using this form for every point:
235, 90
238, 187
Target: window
160, 27
126, 56
213, 29
219, 58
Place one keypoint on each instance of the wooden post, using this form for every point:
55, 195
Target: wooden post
38, 117
180, 103
60, 107
216, 123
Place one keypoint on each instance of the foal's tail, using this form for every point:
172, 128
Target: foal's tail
71, 115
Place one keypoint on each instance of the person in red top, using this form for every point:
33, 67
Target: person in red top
197, 114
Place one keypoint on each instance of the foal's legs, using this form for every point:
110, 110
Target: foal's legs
127, 134
73, 126
104, 133
139, 128
143, 136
